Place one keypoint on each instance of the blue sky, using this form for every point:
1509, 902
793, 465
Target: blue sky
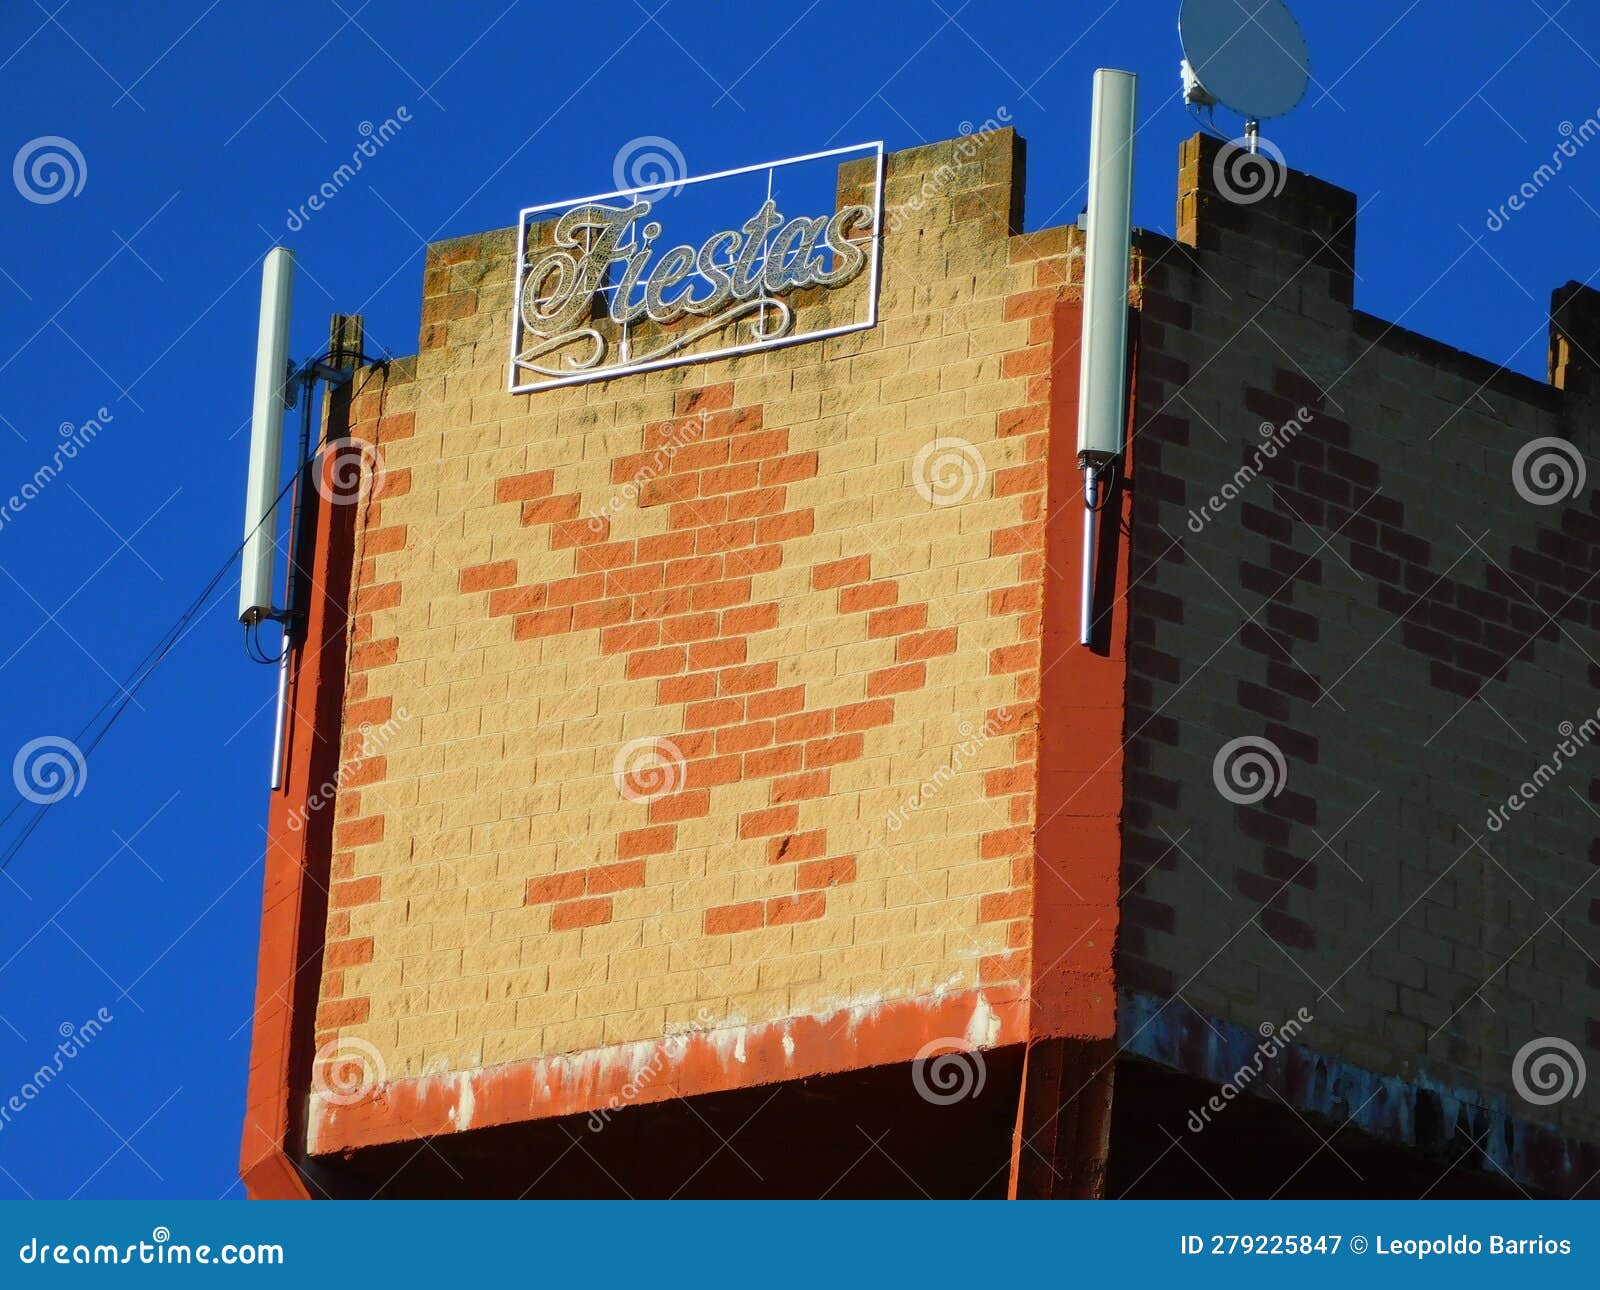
202, 129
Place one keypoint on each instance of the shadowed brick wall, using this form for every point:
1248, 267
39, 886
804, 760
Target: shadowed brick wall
1413, 637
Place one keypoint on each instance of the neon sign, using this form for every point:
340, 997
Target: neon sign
597, 296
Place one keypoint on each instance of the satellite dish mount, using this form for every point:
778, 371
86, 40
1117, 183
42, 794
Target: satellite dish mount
1248, 55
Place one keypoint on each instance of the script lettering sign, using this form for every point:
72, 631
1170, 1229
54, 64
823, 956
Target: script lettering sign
599, 296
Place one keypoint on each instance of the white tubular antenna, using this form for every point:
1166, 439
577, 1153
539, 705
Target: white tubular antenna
266, 436
1103, 373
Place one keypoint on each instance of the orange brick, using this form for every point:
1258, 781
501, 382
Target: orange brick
616, 877
761, 824
825, 873
489, 577
580, 913
896, 622
525, 488
797, 846
341, 954
908, 649
871, 595
838, 573
722, 919
343, 1012
355, 833
555, 886
655, 840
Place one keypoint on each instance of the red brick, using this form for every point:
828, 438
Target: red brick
489, 577
616, 877
358, 891
897, 680
555, 886
908, 649
872, 595
896, 622
795, 909
838, 573
656, 840
722, 919
525, 488
825, 873
761, 824
580, 913
354, 953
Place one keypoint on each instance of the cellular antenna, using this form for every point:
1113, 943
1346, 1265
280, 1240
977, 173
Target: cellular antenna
1103, 352
1248, 55
273, 394
279, 385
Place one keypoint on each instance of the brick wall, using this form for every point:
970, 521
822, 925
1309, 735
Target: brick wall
1405, 629
782, 627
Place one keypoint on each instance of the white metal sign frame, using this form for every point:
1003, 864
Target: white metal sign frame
593, 370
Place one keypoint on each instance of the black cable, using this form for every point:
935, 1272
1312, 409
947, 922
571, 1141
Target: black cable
153, 658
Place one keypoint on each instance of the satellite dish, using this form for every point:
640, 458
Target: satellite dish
1248, 55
